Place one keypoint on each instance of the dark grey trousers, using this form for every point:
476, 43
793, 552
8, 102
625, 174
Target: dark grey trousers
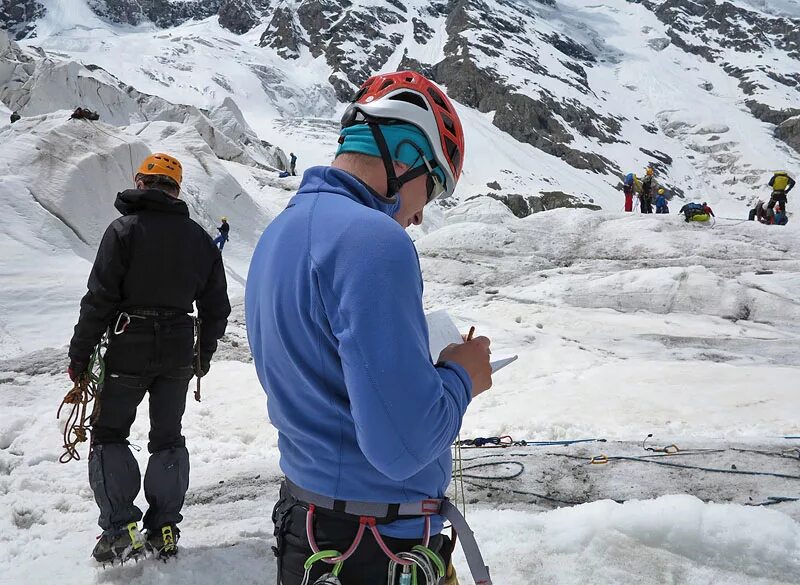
150, 357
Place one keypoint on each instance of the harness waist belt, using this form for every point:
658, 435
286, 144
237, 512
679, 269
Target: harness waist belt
377, 510
154, 313
430, 507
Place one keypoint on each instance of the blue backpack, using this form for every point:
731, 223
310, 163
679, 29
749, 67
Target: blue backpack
629, 179
694, 207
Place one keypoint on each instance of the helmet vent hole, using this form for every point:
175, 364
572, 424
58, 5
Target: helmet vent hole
438, 99
453, 152
411, 98
387, 83
448, 123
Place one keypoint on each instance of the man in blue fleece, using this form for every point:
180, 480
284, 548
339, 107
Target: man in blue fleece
339, 340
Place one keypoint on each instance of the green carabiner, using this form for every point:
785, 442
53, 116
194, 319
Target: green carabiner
435, 559
325, 554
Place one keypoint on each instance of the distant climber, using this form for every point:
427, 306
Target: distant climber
646, 196
84, 114
697, 211
780, 217
293, 164
781, 184
223, 236
629, 186
15, 116
152, 265
661, 202
762, 213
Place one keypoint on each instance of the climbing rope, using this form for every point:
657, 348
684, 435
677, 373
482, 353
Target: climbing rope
669, 449
85, 391
458, 472
699, 468
736, 219
655, 456
508, 441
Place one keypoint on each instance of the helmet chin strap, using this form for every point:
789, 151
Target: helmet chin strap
393, 182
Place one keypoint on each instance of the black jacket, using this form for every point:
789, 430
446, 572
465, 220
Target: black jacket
224, 228
647, 186
154, 257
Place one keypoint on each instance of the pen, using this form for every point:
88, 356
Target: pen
471, 333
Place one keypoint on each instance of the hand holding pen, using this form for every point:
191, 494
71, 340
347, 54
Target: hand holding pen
473, 356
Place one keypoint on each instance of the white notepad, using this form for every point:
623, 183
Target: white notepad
442, 331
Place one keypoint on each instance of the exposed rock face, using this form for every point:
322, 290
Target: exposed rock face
355, 43
162, 14
238, 16
789, 132
523, 206
284, 33
18, 16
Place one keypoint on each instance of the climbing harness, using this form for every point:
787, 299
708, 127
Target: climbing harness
370, 513
86, 389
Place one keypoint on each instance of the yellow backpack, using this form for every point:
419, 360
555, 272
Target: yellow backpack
780, 181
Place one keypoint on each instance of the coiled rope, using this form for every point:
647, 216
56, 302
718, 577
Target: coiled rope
85, 391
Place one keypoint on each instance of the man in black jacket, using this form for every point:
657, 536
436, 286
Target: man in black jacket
152, 264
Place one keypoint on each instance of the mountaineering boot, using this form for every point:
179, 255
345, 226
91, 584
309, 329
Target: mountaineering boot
163, 542
119, 544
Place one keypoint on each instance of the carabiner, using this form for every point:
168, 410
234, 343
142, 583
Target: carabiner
323, 554
123, 320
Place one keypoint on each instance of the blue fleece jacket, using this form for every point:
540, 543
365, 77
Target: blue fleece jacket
339, 340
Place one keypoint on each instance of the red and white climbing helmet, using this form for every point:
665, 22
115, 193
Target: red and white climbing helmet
407, 96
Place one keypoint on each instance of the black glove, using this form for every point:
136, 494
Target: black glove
76, 369
201, 365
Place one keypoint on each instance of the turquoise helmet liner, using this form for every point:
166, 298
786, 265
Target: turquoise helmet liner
358, 138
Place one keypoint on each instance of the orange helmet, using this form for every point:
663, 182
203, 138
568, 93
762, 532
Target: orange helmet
162, 164
410, 97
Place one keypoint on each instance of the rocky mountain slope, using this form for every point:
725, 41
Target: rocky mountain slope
704, 90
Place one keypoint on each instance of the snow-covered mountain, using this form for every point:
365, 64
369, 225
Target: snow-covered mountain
706, 90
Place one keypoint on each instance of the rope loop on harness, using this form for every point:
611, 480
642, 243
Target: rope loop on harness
364, 522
